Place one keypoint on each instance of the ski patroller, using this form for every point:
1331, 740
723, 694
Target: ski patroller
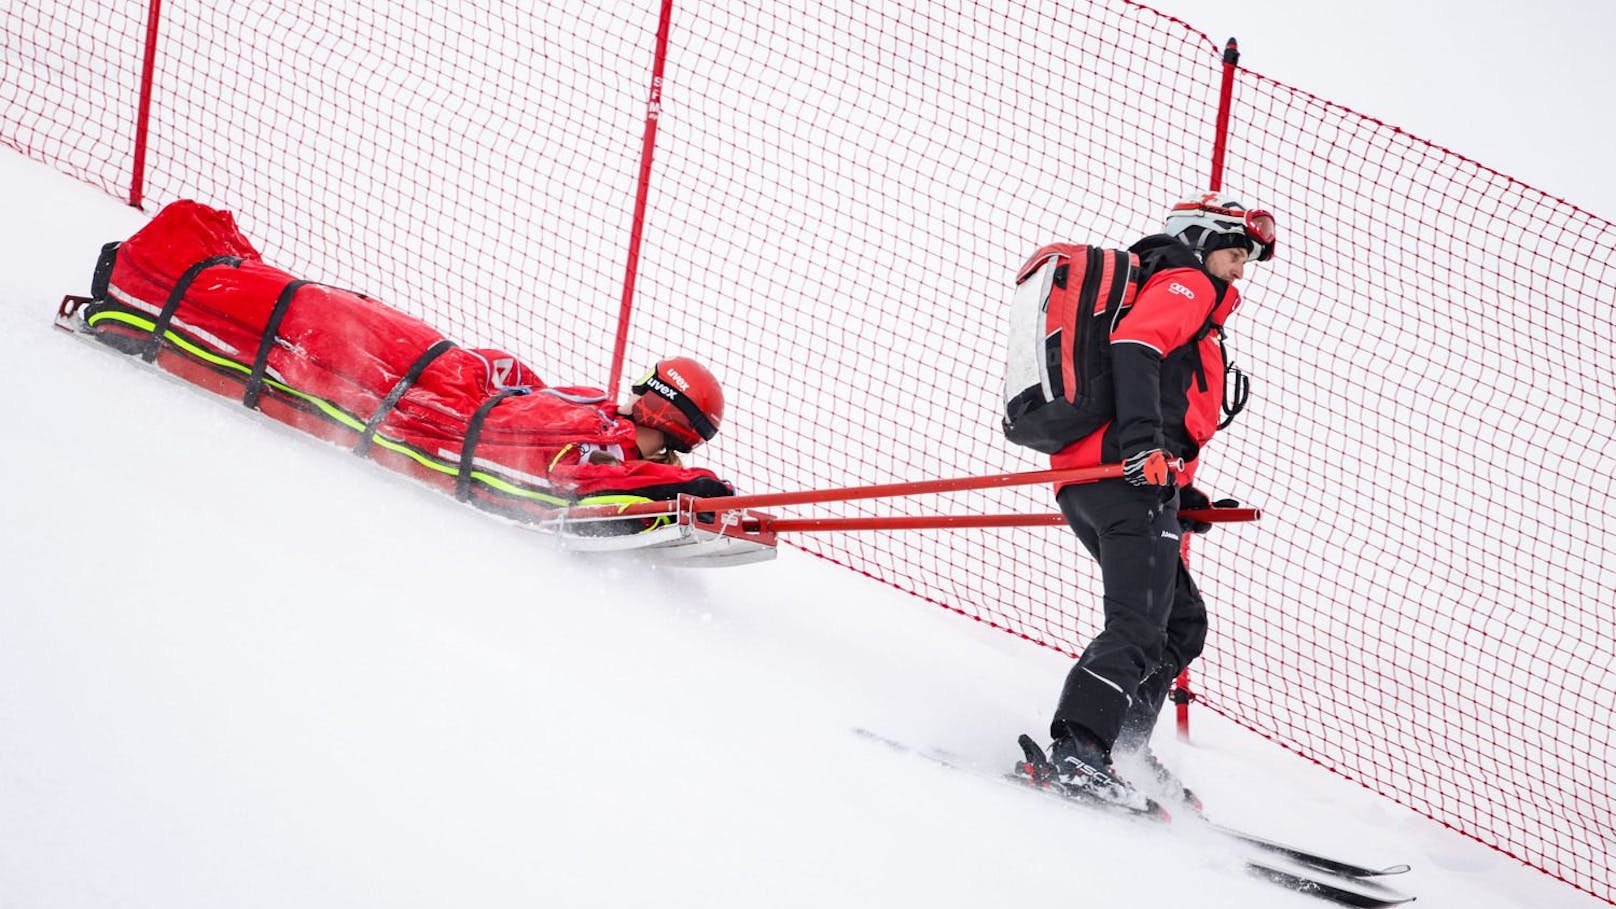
1294, 868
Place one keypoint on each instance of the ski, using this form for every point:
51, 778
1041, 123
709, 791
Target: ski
1357, 892
1340, 882
1039, 781
1312, 859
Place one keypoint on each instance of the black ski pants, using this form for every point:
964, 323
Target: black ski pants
1155, 620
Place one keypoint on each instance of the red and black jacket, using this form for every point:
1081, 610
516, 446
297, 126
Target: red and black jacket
1167, 361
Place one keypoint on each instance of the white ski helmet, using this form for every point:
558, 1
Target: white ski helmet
1211, 222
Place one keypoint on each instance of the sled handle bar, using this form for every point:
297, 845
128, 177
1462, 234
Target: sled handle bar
960, 521
851, 493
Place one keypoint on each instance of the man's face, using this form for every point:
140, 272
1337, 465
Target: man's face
1228, 264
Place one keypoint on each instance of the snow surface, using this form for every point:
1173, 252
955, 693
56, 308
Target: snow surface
241, 668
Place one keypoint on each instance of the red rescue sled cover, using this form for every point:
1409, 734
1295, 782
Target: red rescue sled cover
190, 293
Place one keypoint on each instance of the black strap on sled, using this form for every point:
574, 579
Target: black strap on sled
272, 330
393, 397
160, 328
468, 451
101, 279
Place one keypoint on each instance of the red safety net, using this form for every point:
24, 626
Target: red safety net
839, 199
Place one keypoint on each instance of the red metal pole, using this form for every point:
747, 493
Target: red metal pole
848, 494
958, 521
1220, 141
1182, 696
137, 180
923, 522
920, 487
653, 113
1181, 693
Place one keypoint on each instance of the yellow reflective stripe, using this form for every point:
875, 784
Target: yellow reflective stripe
148, 325
331, 410
623, 500
557, 459
509, 488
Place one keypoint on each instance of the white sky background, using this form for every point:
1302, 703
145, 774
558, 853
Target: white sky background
240, 668
1524, 88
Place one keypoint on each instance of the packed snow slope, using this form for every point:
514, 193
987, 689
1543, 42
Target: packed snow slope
241, 668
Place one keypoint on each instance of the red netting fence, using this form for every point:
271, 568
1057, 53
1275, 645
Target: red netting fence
840, 195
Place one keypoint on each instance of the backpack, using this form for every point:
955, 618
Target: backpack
1058, 385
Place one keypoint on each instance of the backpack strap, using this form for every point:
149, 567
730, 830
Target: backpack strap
1125, 277
1236, 386
1088, 269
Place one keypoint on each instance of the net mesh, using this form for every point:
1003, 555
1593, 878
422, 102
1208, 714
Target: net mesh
840, 198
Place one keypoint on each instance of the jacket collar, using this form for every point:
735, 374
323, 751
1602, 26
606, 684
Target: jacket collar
1161, 252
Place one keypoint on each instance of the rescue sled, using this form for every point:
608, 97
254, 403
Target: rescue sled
189, 296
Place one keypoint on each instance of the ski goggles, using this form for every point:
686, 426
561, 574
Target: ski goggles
1262, 233
1257, 223
1260, 230
698, 421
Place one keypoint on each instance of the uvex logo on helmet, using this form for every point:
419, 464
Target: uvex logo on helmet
680, 398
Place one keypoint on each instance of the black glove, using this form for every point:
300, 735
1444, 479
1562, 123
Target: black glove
1151, 467
706, 488
700, 487
1193, 499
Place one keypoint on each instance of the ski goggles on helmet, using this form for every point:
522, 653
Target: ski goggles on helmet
1263, 232
694, 419
1257, 224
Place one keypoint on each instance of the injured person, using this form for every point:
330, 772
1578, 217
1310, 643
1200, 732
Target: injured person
191, 294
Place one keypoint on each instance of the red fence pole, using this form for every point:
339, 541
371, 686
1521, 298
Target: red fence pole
653, 112
1181, 693
1220, 141
137, 180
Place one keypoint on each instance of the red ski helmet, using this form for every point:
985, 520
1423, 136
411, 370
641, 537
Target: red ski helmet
681, 398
